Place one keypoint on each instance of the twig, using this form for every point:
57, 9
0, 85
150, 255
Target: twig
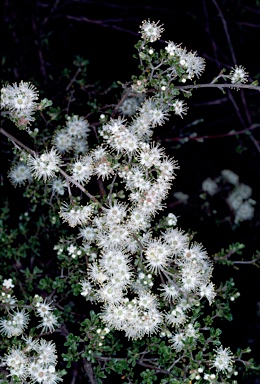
226, 31
220, 86
14, 140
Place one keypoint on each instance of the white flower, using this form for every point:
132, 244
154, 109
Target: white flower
87, 233
47, 353
151, 31
157, 256
210, 186
20, 97
82, 169
230, 176
238, 75
129, 106
48, 322
191, 276
80, 146
86, 288
180, 108
8, 283
16, 361
169, 291
110, 293
43, 308
15, 324
171, 48
244, 212
176, 317
182, 197
62, 141
208, 291
58, 186
77, 126
176, 239
171, 219
223, 359
75, 215
115, 213
19, 174
150, 156
177, 341
45, 165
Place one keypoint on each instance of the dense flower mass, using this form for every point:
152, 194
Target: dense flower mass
147, 277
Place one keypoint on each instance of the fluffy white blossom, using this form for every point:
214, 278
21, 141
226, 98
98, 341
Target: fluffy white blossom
77, 126
76, 214
44, 166
223, 359
20, 98
238, 75
150, 30
180, 108
19, 174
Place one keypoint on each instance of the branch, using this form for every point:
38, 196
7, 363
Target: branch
220, 86
89, 371
16, 141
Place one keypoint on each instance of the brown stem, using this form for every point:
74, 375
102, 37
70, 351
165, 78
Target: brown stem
14, 140
89, 371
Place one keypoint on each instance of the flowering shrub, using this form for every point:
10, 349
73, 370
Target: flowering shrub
148, 284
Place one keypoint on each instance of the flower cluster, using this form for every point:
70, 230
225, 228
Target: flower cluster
239, 197
20, 101
72, 136
148, 278
33, 358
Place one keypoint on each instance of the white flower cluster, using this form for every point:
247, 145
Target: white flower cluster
6, 292
241, 203
34, 359
192, 64
131, 260
134, 272
72, 136
146, 279
238, 199
17, 320
20, 101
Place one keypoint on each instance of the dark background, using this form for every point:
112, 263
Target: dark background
41, 38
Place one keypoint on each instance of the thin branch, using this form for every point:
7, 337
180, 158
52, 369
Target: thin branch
16, 141
231, 133
220, 86
69, 178
226, 31
89, 371
153, 367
